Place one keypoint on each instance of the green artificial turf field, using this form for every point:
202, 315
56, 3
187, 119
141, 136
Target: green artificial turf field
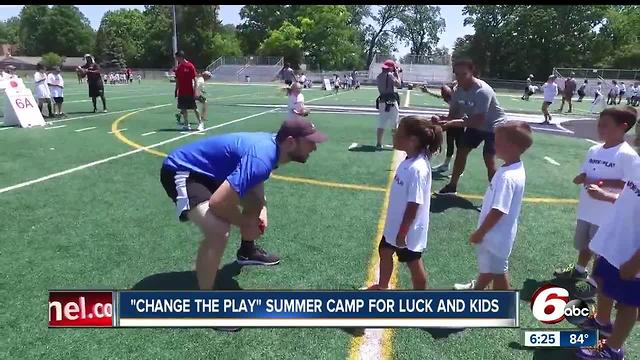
84, 209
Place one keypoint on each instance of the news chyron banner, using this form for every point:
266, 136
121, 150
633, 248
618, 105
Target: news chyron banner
445, 309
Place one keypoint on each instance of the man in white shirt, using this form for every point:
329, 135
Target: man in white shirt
550, 90
56, 86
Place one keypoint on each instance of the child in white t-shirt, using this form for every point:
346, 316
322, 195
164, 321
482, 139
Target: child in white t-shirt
295, 107
550, 90
56, 86
603, 168
407, 222
43, 94
598, 99
617, 267
498, 222
201, 98
613, 93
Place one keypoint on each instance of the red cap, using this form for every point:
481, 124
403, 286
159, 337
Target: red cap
389, 64
300, 128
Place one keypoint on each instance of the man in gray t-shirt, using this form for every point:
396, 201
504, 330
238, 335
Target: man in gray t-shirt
387, 103
288, 75
482, 114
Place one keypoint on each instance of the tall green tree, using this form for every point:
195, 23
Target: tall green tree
121, 37
259, 20
158, 47
197, 27
31, 19
285, 41
379, 37
226, 42
62, 29
327, 37
420, 27
9, 30
51, 59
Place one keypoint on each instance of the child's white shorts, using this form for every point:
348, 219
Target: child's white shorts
490, 263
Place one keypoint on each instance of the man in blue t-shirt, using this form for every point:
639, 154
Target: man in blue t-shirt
210, 179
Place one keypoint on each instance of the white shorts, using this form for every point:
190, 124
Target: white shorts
490, 263
388, 119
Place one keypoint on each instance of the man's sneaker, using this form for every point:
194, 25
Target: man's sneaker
256, 257
570, 273
442, 167
379, 147
469, 286
602, 352
584, 290
178, 119
591, 323
448, 190
186, 127
201, 127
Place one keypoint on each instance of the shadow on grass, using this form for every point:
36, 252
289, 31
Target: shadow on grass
83, 112
187, 280
440, 175
170, 130
546, 354
440, 203
368, 148
442, 333
587, 292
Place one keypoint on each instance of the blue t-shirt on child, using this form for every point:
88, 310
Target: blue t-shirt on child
243, 159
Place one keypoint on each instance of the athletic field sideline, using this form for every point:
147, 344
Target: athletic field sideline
84, 209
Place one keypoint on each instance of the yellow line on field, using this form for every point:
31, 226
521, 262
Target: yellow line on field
328, 183
533, 200
372, 275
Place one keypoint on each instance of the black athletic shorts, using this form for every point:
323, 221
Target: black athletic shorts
472, 138
96, 90
404, 254
288, 82
187, 189
186, 102
58, 100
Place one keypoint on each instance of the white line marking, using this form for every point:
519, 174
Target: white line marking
406, 100
135, 151
551, 161
372, 346
148, 133
7, 128
551, 129
55, 127
593, 142
85, 129
119, 130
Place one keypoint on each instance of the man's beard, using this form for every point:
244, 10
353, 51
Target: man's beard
298, 157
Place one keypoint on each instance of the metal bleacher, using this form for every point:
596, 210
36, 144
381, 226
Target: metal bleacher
417, 69
246, 68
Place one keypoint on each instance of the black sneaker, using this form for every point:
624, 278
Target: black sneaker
258, 256
570, 273
448, 190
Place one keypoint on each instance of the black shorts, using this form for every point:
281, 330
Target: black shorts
547, 103
622, 93
581, 93
96, 90
187, 189
288, 82
473, 137
201, 99
58, 100
404, 254
186, 102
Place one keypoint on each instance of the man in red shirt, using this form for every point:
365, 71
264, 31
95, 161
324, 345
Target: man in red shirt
186, 90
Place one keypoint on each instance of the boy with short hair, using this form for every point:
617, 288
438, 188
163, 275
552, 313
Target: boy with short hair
498, 222
42, 93
617, 268
603, 169
56, 86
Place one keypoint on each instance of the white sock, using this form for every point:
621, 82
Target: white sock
580, 269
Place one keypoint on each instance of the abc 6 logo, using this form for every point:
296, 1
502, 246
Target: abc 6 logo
551, 304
